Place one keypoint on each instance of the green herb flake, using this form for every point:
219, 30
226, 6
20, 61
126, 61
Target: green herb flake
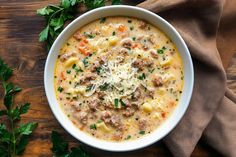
61, 148
160, 51
85, 61
68, 71
73, 66
103, 20
93, 127
114, 33
77, 70
142, 132
128, 137
133, 38
142, 77
98, 70
89, 88
104, 87
116, 103
60, 89
131, 28
122, 103
129, 21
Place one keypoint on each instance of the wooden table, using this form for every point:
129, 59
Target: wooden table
19, 47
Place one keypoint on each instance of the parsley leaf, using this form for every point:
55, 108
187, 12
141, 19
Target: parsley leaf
61, 148
13, 140
116, 103
115, 2
92, 4
104, 87
57, 15
142, 77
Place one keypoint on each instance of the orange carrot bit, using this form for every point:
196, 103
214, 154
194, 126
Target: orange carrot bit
135, 45
121, 28
63, 76
85, 41
84, 50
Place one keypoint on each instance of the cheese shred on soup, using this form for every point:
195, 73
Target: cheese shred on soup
118, 78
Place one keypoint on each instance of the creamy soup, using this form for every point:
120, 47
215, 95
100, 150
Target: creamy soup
118, 78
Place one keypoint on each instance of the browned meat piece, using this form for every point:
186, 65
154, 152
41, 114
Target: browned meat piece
145, 47
78, 36
157, 81
96, 64
137, 94
117, 136
154, 54
106, 116
65, 56
127, 43
128, 112
143, 25
83, 117
93, 105
123, 51
87, 78
151, 39
116, 122
141, 63
148, 62
102, 59
101, 95
142, 124
138, 64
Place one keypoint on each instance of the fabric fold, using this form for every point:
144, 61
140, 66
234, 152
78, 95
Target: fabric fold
198, 22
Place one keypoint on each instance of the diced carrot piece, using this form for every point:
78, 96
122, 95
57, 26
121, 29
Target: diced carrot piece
83, 50
85, 41
63, 76
135, 45
121, 28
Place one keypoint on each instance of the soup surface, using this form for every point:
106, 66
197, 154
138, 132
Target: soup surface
118, 78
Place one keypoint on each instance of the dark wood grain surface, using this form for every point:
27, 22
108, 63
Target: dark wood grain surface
19, 47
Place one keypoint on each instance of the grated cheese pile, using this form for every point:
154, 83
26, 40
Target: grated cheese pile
121, 78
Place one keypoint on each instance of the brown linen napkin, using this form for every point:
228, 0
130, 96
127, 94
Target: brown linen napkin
212, 111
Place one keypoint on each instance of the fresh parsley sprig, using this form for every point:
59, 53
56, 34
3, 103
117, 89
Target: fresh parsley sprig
61, 148
15, 137
57, 15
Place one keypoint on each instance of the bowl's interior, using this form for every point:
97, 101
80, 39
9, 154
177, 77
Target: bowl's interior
152, 18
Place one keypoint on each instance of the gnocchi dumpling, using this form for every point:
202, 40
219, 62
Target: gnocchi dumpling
103, 127
71, 61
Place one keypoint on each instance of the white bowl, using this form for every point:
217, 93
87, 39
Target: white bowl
119, 10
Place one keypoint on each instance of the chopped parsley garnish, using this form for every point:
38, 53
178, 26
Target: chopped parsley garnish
141, 132
103, 20
104, 87
128, 137
129, 21
114, 33
89, 88
161, 51
151, 70
131, 28
85, 61
68, 71
98, 70
142, 77
93, 126
116, 103
73, 66
89, 35
134, 38
122, 103
60, 89
77, 70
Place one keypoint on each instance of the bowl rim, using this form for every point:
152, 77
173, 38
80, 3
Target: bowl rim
108, 145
